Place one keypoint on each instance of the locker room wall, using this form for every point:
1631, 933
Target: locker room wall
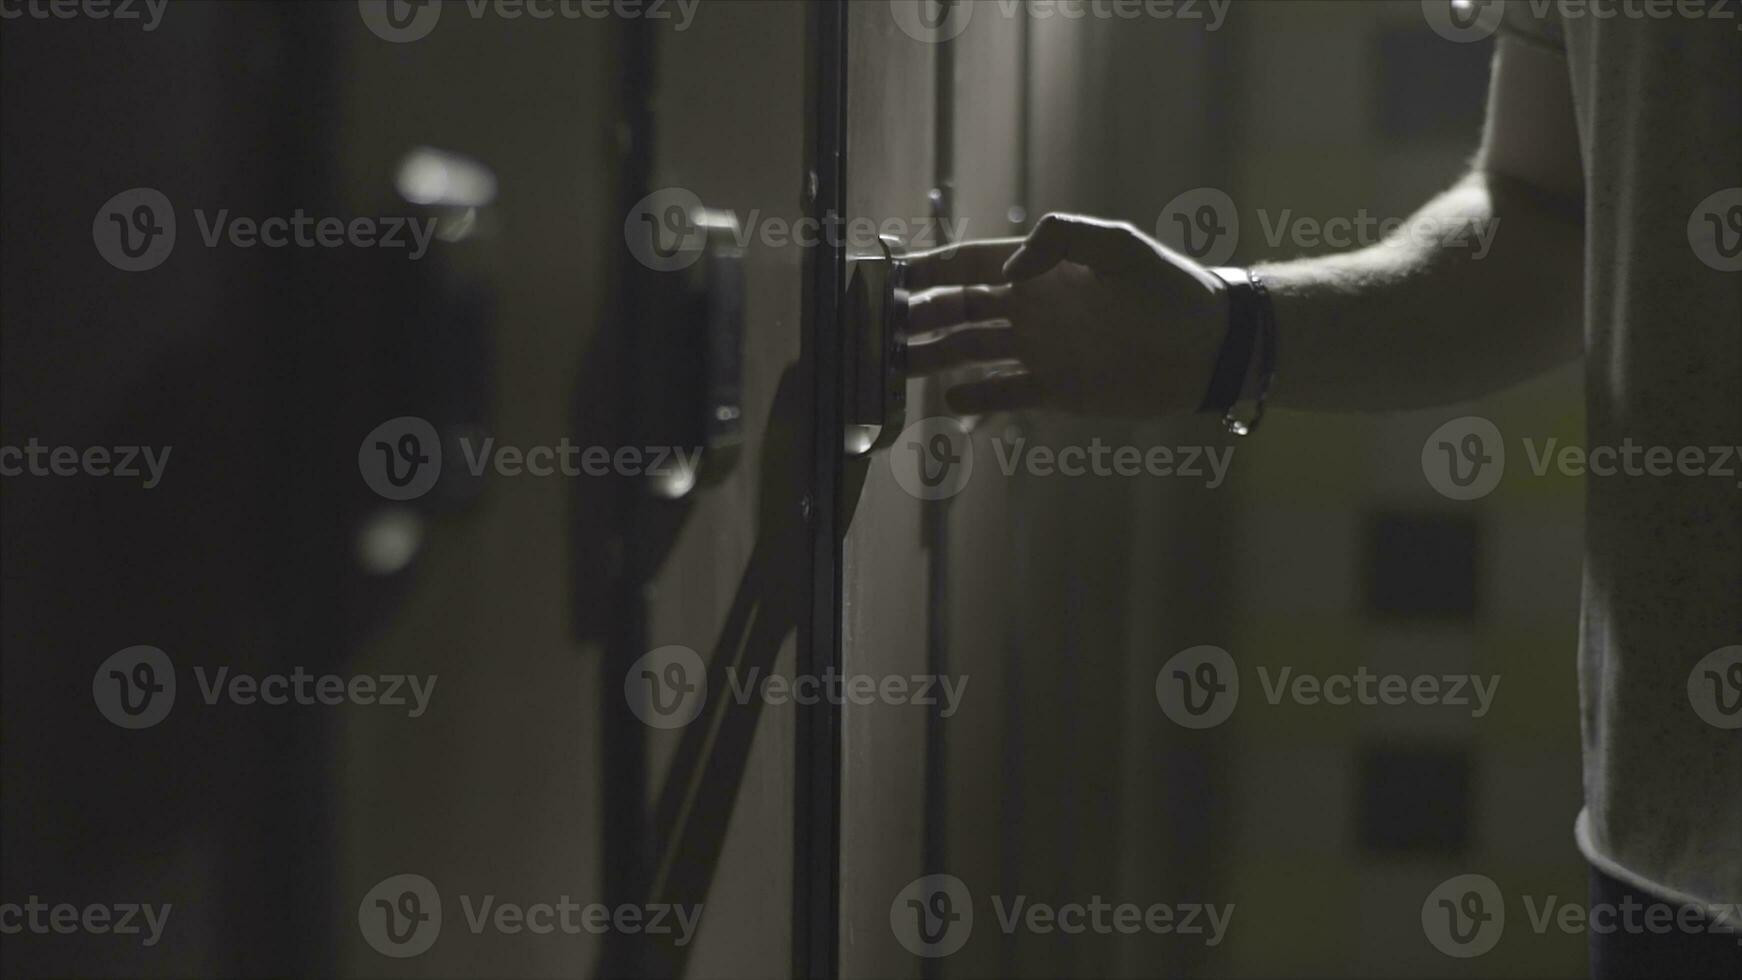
1092, 588
1114, 806
1327, 109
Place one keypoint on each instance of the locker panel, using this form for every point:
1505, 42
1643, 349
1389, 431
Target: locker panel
728, 564
496, 790
890, 168
979, 558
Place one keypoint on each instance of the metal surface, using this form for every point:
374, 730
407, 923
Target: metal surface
891, 141
698, 333
876, 369
816, 888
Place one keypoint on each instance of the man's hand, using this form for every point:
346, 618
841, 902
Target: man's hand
1085, 316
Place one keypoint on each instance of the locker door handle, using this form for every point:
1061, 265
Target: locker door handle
875, 363
697, 362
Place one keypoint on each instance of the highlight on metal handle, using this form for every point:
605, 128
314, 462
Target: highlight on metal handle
876, 356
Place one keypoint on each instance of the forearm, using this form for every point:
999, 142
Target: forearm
1480, 289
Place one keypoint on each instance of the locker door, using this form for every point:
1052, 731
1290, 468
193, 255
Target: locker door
561, 773
495, 791
934, 131
1011, 585
890, 172
722, 574
978, 553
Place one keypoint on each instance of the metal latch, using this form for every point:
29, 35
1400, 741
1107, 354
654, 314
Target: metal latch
697, 340
875, 368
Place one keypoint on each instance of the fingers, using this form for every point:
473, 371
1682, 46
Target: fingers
963, 348
1000, 393
967, 264
1105, 246
942, 309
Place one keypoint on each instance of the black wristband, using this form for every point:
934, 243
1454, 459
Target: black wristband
1239, 376
1235, 361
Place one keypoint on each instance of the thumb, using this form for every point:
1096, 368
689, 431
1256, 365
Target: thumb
1104, 246
1044, 249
